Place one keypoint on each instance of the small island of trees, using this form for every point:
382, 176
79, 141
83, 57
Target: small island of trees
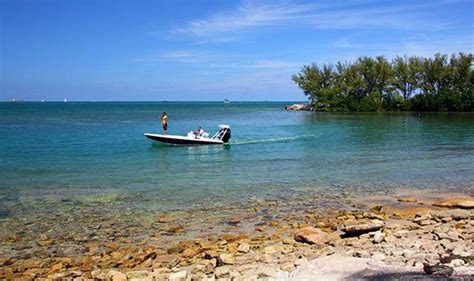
441, 83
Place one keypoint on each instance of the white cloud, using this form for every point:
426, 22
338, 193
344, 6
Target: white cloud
346, 44
179, 56
216, 60
247, 16
230, 26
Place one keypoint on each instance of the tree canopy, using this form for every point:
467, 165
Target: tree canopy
440, 83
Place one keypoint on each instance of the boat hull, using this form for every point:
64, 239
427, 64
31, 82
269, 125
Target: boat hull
180, 140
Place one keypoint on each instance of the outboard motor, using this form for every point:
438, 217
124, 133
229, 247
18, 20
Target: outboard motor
226, 136
223, 134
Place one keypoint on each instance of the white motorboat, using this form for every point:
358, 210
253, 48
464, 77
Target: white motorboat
192, 138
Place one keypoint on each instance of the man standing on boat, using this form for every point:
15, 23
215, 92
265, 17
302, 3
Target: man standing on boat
164, 122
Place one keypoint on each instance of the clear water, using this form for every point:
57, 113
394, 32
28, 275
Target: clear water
96, 151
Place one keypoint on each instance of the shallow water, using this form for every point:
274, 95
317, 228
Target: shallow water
96, 153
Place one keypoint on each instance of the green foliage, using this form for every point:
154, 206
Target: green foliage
440, 83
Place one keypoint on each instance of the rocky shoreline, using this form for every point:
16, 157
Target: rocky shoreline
421, 234
300, 107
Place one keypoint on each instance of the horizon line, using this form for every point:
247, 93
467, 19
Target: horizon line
93, 101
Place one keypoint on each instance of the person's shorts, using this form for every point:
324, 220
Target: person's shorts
165, 127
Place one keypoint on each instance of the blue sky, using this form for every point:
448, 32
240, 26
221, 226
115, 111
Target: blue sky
207, 50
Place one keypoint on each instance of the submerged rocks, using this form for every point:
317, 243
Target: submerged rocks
165, 219
462, 203
199, 246
407, 199
174, 229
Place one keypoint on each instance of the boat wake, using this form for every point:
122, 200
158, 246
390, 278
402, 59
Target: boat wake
274, 140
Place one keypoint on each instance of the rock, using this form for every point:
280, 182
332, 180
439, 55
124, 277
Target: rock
378, 256
408, 254
301, 261
462, 251
425, 222
407, 199
117, 275
222, 271
446, 234
139, 258
178, 276
405, 212
312, 235
462, 203
299, 107
208, 278
456, 263
243, 248
56, 267
165, 219
161, 273
271, 250
227, 258
138, 274
358, 229
378, 237
100, 274
266, 258
174, 229
178, 248
266, 271
205, 265
432, 258
438, 269
288, 267
455, 214
417, 257
361, 254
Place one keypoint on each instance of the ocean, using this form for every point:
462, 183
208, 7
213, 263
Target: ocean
96, 152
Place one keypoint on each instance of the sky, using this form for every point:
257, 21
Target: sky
183, 50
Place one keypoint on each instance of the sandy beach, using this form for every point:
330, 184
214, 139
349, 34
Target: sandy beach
380, 236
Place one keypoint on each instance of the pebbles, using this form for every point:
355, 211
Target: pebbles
196, 245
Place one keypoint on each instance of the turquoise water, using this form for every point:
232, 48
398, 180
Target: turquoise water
64, 151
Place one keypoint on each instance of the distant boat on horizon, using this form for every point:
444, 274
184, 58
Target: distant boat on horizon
65, 99
226, 102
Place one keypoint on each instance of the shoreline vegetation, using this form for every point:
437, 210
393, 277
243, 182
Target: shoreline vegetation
406, 235
440, 83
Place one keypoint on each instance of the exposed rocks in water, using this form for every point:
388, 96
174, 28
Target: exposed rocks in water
300, 107
276, 239
407, 199
463, 203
